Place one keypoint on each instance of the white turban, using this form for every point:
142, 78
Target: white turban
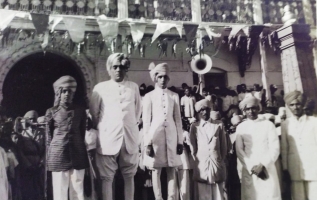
291, 96
201, 104
160, 69
249, 101
117, 59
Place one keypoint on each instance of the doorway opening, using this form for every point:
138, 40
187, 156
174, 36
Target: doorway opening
215, 77
29, 84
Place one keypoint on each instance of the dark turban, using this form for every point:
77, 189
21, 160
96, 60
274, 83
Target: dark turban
295, 95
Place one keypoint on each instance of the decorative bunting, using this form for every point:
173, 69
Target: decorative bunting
6, 17
235, 29
211, 33
108, 28
190, 32
137, 31
56, 20
163, 27
40, 22
75, 27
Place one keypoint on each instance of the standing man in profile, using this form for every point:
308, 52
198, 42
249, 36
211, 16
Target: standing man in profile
115, 107
299, 147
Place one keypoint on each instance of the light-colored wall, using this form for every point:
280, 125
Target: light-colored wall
224, 60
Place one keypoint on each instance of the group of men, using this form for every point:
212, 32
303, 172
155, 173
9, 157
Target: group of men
112, 142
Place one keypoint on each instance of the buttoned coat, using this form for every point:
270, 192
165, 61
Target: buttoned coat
115, 108
208, 141
299, 147
65, 133
162, 127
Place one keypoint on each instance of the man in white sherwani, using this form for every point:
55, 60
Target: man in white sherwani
257, 147
115, 107
299, 148
162, 128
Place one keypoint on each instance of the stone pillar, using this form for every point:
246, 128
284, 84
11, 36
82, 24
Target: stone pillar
297, 59
123, 12
196, 10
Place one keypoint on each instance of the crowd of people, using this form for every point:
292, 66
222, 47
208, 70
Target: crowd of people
216, 144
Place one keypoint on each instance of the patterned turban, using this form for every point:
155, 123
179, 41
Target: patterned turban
249, 101
31, 114
65, 82
160, 69
295, 95
117, 59
201, 104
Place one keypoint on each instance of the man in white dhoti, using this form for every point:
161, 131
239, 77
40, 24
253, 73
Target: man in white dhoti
257, 147
115, 107
299, 147
163, 135
208, 145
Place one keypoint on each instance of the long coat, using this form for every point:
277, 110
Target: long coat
208, 141
65, 131
299, 147
257, 142
162, 127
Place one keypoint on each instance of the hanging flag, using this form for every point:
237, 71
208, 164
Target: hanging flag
235, 29
211, 33
40, 22
108, 28
76, 28
163, 27
190, 32
56, 20
137, 31
6, 17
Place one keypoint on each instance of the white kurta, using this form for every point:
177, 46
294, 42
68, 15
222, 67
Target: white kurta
4, 184
257, 142
189, 104
162, 127
115, 108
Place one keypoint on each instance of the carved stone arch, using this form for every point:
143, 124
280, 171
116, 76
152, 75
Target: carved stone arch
14, 54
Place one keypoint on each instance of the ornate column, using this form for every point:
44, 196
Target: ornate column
297, 59
123, 11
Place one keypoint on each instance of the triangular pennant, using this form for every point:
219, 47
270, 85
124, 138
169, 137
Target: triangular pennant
210, 33
108, 28
40, 22
6, 17
235, 29
76, 28
137, 31
190, 32
56, 20
163, 27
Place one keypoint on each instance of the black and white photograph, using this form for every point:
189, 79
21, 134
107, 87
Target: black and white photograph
158, 100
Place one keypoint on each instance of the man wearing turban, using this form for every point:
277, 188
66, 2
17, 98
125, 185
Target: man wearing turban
32, 152
162, 128
299, 147
115, 107
257, 147
65, 133
209, 148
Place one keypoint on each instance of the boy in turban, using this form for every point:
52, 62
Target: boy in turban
209, 149
67, 156
299, 147
162, 127
115, 107
257, 148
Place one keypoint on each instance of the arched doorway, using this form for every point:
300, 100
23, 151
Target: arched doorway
29, 83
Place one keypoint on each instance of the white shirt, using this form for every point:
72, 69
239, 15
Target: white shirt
188, 103
115, 108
